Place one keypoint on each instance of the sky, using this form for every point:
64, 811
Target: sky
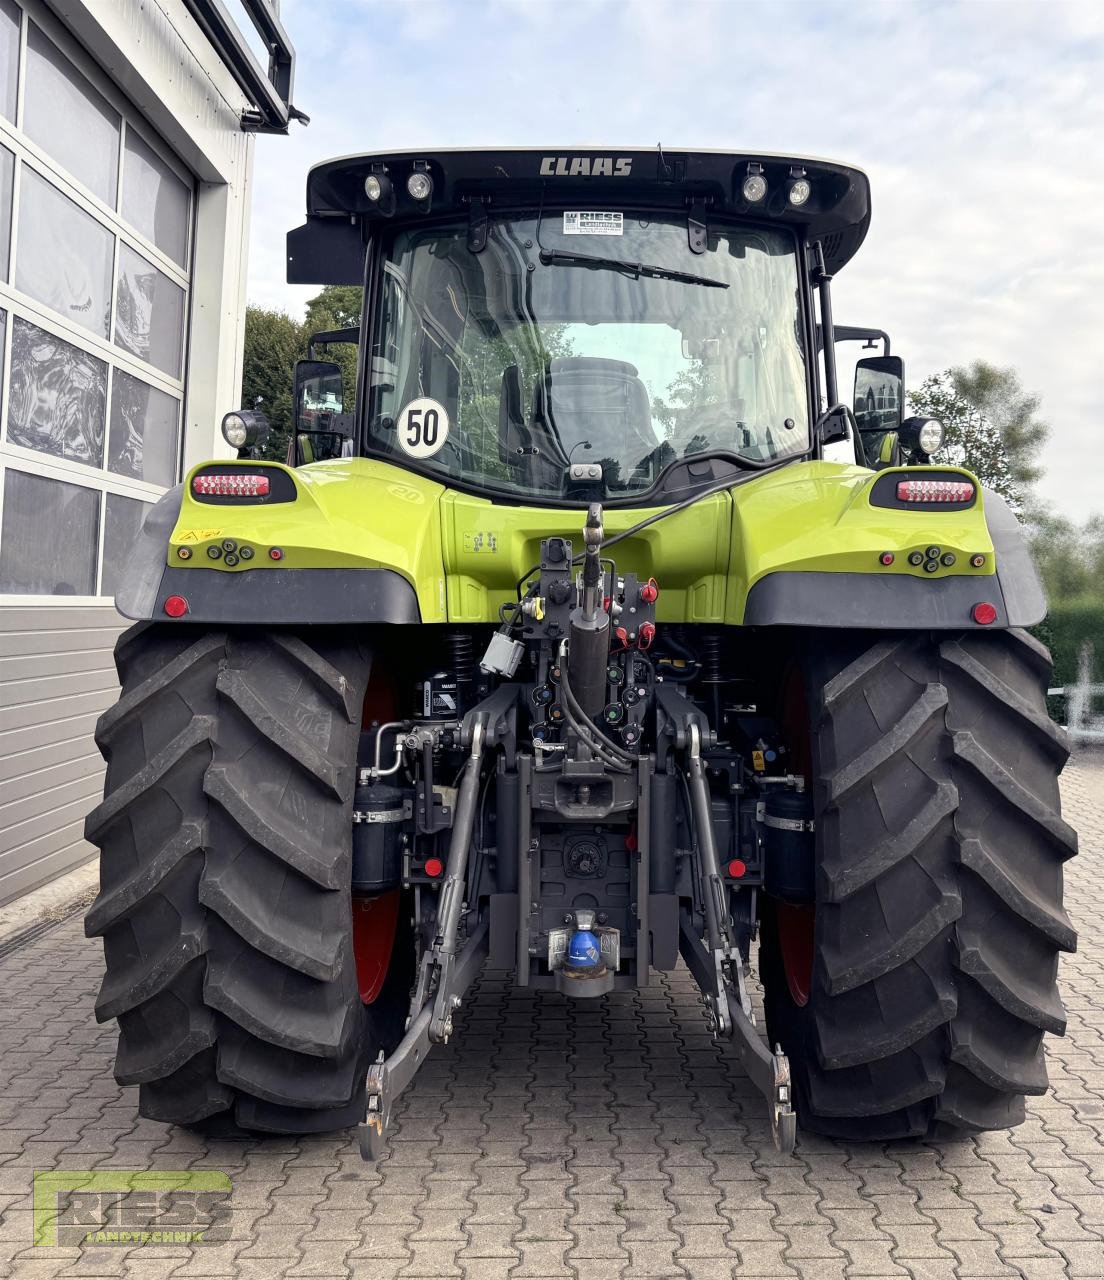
980, 124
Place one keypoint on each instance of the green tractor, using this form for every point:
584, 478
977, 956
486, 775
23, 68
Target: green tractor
599, 635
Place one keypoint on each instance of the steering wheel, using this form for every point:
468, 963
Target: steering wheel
718, 425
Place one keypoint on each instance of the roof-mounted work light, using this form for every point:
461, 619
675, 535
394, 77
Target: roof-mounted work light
420, 186
798, 188
380, 191
755, 185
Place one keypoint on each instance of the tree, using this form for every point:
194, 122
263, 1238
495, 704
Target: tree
273, 343
1070, 559
992, 426
336, 307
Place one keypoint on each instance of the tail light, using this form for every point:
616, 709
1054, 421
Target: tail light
935, 490
221, 485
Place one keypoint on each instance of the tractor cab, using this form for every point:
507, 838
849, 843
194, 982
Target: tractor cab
565, 328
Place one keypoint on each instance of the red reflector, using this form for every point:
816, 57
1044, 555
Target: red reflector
434, 867
176, 606
737, 869
984, 613
228, 486
934, 490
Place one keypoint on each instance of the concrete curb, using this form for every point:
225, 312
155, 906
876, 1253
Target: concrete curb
52, 901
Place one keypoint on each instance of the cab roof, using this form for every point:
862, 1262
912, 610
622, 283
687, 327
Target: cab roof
837, 212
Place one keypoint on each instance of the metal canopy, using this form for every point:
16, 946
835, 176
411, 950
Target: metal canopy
269, 94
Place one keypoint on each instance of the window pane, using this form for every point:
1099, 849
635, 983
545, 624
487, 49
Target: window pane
124, 520
7, 171
144, 437
149, 316
57, 398
64, 255
155, 201
68, 118
3, 330
48, 542
9, 57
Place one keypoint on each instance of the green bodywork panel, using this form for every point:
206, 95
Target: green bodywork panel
464, 555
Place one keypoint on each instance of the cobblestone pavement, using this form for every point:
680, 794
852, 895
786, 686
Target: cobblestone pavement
560, 1140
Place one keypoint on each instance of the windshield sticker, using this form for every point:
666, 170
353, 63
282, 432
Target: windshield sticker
423, 428
599, 223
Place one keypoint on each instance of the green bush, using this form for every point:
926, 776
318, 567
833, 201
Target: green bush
1065, 628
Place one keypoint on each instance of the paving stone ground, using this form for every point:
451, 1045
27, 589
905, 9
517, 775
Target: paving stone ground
552, 1139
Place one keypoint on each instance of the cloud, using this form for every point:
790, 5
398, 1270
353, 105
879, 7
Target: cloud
979, 124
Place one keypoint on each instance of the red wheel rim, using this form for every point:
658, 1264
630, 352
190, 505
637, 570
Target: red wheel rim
375, 922
796, 925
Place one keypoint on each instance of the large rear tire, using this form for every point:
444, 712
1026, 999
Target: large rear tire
938, 917
225, 868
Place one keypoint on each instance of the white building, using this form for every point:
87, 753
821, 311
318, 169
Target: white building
126, 140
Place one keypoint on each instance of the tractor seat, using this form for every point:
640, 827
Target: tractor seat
596, 401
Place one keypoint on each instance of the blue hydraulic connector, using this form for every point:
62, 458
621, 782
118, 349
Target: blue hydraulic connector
583, 951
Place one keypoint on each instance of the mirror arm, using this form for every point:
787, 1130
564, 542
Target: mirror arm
820, 277
836, 423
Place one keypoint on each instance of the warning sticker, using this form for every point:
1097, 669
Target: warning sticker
422, 427
599, 223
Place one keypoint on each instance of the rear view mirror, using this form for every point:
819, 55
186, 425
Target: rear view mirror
319, 395
879, 393
321, 427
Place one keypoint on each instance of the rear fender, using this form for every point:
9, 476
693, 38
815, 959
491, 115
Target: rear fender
809, 543
345, 541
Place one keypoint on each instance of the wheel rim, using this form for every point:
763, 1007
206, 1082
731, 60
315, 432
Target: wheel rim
797, 922
796, 927
375, 921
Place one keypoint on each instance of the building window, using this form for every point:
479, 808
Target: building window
121, 529
145, 431
155, 201
149, 317
68, 119
3, 348
57, 396
65, 255
9, 57
49, 536
95, 257
7, 173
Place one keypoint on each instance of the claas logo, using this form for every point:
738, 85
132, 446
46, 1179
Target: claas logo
586, 167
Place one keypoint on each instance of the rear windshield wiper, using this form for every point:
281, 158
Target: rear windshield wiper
634, 269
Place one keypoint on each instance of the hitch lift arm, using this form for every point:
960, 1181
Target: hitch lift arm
447, 969
719, 971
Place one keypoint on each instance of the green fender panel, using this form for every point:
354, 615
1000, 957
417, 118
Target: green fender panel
356, 540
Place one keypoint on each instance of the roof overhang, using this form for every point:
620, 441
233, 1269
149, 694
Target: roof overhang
837, 212
268, 93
